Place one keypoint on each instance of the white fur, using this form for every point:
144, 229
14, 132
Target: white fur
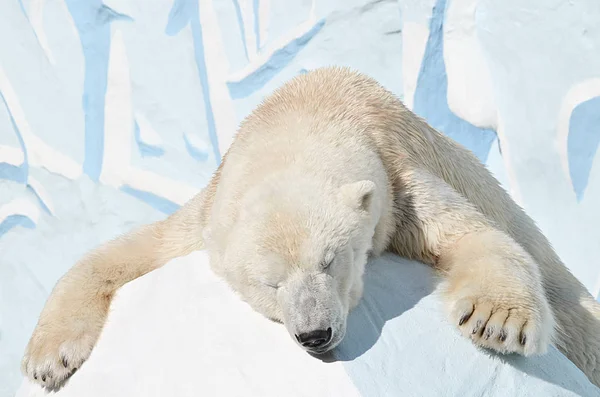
329, 169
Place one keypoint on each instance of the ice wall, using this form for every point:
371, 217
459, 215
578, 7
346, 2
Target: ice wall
113, 114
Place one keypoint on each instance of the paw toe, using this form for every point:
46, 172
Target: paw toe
494, 324
478, 320
463, 310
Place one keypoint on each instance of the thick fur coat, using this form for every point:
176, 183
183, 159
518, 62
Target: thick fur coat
328, 170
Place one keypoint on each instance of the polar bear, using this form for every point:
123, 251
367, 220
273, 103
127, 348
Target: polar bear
327, 171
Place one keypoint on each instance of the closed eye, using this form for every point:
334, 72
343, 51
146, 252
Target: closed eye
270, 285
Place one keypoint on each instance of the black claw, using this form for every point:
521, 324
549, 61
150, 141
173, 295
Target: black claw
35, 376
43, 378
523, 339
476, 328
65, 363
503, 335
464, 318
488, 333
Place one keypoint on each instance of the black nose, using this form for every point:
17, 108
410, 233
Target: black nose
314, 339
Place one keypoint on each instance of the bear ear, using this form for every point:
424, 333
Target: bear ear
358, 195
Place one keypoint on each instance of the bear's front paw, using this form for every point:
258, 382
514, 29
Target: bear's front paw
507, 320
57, 349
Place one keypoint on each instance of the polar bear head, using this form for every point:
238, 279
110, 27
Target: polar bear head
298, 251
